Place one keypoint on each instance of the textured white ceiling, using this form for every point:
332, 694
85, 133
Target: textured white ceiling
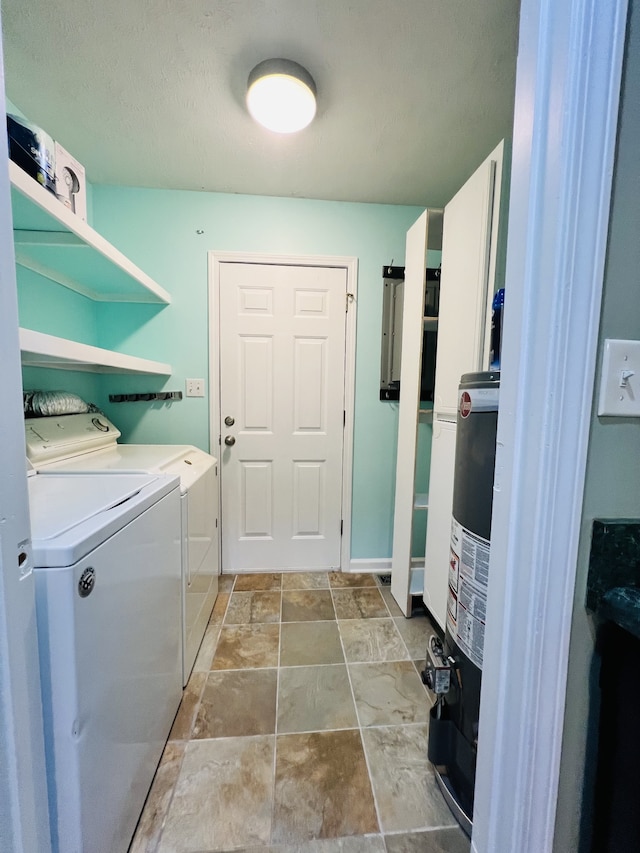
412, 94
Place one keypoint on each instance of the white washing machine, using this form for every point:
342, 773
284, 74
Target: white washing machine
106, 557
88, 442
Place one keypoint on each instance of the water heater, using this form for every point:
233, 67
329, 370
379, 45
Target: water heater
454, 669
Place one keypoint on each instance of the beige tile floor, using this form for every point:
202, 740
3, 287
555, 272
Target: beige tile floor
303, 728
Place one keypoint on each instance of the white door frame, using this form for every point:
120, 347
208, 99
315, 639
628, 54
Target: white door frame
567, 95
24, 814
350, 265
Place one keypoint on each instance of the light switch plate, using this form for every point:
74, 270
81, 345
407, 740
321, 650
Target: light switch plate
195, 387
620, 379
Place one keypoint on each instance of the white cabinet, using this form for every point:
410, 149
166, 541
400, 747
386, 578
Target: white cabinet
467, 283
54, 243
470, 232
425, 232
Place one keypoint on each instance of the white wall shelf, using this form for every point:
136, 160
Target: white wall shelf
55, 243
41, 350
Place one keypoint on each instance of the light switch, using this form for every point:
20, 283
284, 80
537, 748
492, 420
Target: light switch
195, 387
620, 379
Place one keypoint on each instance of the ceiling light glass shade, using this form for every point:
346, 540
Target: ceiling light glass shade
281, 95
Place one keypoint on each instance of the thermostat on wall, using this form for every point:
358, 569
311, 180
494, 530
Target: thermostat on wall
71, 186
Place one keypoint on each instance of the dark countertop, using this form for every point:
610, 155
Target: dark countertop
613, 583
622, 606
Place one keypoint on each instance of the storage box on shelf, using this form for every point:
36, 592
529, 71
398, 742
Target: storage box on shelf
53, 242
71, 182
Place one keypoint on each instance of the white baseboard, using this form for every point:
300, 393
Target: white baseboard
359, 564
378, 564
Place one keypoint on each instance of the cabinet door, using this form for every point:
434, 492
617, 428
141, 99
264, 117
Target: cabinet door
469, 252
468, 265
412, 311
426, 232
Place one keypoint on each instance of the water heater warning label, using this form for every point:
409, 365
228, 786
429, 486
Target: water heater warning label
468, 579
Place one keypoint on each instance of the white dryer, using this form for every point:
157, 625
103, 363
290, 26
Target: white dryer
88, 442
106, 557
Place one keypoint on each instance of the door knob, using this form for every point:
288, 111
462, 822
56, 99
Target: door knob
229, 440
229, 421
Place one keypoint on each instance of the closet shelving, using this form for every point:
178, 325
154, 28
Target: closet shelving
53, 242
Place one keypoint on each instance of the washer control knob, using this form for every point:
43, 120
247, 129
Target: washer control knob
87, 582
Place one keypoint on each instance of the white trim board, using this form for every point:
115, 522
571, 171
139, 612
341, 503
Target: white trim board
567, 93
379, 564
348, 263
24, 813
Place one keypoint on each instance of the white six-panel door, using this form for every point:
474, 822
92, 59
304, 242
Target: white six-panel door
282, 362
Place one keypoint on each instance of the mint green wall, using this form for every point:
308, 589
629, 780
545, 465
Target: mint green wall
158, 230
85, 385
56, 310
611, 488
46, 307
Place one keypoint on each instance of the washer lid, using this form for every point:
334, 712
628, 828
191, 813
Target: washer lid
71, 514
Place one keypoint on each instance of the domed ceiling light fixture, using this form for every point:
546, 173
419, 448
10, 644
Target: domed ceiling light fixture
281, 95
